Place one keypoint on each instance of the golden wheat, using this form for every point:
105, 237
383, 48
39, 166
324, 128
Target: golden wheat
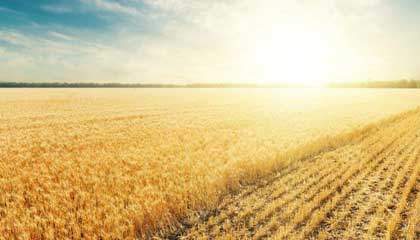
127, 163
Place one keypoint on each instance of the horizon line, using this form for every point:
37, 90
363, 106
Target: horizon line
366, 84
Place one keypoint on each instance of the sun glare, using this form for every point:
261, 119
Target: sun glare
294, 57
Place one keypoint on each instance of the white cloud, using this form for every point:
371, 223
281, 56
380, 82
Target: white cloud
59, 57
8, 10
181, 6
207, 41
113, 6
61, 36
15, 38
57, 8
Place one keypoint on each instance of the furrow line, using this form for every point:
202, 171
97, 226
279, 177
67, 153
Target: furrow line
359, 172
387, 206
319, 184
394, 222
287, 183
363, 195
412, 230
256, 206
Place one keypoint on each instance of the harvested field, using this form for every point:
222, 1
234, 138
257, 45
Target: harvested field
138, 163
365, 190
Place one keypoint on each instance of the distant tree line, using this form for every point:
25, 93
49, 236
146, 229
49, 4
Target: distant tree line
81, 85
378, 84
368, 84
139, 85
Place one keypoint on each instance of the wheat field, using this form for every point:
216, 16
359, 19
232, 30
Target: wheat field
209, 163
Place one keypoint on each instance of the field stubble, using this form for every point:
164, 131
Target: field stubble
362, 190
136, 163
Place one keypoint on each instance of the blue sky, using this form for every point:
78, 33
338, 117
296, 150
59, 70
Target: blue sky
183, 41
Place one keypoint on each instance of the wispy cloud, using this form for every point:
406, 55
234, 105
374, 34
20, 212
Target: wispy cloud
61, 36
57, 8
58, 57
115, 7
15, 38
8, 10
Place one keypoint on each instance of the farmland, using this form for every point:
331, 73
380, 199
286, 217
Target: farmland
365, 190
239, 163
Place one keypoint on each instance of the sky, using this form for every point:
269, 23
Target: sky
209, 41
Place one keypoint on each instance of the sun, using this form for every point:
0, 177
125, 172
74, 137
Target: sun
293, 56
